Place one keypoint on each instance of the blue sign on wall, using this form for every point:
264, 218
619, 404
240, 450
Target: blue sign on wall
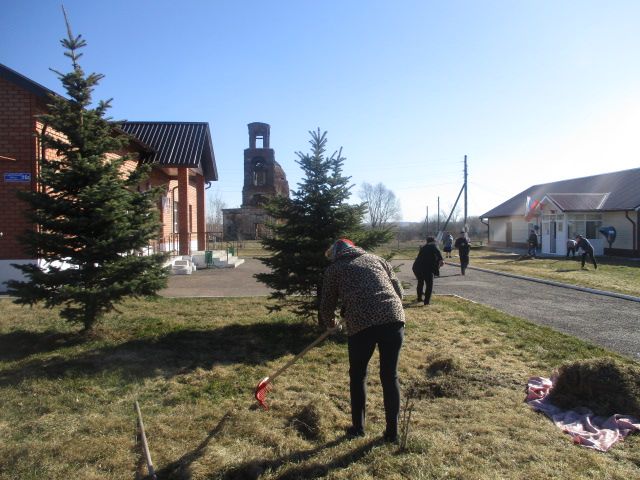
17, 177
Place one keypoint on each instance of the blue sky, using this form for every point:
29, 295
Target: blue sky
531, 92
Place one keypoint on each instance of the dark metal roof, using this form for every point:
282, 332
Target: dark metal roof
615, 191
26, 83
171, 144
578, 201
177, 144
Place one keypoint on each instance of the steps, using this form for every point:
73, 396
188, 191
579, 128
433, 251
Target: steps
182, 265
187, 264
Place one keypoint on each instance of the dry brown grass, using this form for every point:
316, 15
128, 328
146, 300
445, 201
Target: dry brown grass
67, 405
615, 275
603, 385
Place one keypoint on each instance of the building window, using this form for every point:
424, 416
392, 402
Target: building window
584, 224
259, 173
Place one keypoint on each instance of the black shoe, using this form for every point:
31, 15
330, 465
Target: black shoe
390, 437
353, 432
426, 303
419, 299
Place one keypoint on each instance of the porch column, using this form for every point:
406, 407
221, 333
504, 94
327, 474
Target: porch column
201, 213
183, 211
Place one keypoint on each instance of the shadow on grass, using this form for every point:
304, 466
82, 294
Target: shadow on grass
504, 256
181, 468
254, 469
21, 344
174, 353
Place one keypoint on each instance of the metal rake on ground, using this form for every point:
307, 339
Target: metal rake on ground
265, 384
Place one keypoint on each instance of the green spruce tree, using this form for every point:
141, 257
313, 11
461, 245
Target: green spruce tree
306, 224
91, 219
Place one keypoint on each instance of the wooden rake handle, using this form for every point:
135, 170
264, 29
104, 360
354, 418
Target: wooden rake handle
145, 445
326, 333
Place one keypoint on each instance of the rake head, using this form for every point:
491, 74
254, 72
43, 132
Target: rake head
261, 392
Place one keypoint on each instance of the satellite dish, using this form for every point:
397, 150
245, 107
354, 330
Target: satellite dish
609, 233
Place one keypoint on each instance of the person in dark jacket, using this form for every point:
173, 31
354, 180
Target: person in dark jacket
462, 244
533, 244
447, 244
425, 267
371, 298
587, 249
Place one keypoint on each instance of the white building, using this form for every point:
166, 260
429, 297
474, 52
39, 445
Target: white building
560, 210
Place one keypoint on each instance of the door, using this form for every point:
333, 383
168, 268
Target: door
552, 237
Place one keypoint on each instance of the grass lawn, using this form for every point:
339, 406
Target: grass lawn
67, 403
614, 275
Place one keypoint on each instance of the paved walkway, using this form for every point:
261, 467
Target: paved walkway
607, 321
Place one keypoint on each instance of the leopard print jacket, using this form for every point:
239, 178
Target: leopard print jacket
367, 287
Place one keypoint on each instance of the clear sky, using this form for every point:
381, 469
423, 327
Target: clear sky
530, 91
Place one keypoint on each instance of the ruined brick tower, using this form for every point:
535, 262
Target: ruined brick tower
263, 179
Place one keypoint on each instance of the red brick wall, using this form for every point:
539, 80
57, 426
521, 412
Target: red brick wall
17, 144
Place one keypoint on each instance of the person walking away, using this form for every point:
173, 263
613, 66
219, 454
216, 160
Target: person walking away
447, 244
371, 299
533, 244
462, 244
571, 248
587, 249
426, 265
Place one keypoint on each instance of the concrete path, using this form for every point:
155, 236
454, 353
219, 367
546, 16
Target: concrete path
219, 282
607, 321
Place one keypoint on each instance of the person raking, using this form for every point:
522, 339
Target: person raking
371, 299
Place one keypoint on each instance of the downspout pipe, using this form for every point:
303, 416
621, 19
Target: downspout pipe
488, 231
634, 235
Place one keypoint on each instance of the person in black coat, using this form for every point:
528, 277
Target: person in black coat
462, 244
587, 249
533, 244
426, 265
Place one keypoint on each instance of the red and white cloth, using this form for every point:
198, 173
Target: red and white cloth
581, 424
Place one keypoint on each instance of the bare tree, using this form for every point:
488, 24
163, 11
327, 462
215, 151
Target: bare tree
214, 212
382, 204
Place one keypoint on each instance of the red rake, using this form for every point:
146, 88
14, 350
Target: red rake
265, 384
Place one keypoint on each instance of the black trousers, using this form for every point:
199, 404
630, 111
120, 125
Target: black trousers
388, 337
423, 279
572, 251
464, 263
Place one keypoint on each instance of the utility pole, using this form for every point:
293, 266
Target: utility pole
464, 188
425, 224
465, 193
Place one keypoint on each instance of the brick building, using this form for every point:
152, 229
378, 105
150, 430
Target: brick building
181, 155
263, 178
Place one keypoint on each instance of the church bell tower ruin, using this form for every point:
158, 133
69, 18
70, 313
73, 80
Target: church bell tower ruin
264, 178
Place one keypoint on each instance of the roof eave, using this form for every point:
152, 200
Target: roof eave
26, 83
213, 176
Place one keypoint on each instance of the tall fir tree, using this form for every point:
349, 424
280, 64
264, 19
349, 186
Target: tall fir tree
91, 219
306, 224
